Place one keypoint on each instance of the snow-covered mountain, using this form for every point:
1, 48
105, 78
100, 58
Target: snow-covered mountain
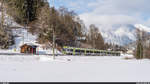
122, 34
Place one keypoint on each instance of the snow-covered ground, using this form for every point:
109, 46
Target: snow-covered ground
73, 69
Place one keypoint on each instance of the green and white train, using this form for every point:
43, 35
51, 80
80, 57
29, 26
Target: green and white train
89, 52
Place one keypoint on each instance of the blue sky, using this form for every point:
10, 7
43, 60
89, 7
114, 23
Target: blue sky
109, 12
79, 6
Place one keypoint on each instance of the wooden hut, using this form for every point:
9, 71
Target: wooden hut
28, 48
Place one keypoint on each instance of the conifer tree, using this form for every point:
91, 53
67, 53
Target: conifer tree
26, 10
139, 49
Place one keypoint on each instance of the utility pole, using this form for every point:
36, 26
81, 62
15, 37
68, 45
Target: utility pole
53, 43
23, 37
53, 32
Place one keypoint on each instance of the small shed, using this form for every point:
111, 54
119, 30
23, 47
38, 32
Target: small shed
28, 48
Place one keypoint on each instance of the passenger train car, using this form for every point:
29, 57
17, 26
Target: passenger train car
92, 52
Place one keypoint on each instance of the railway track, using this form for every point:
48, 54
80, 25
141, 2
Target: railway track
12, 54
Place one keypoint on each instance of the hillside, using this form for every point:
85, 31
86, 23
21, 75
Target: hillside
18, 33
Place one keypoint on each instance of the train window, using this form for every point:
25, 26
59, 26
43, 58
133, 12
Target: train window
96, 51
77, 51
91, 51
82, 51
64, 49
88, 51
70, 50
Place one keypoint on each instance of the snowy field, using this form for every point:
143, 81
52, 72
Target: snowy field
73, 69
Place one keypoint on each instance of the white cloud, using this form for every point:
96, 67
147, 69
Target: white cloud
110, 12
108, 19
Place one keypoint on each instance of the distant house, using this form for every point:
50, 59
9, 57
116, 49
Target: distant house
28, 48
129, 51
81, 38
